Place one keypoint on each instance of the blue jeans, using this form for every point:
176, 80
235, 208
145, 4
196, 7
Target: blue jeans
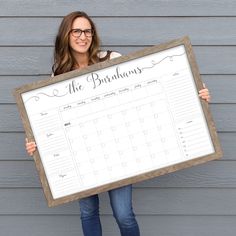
121, 203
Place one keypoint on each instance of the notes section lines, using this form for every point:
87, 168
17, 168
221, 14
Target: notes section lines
46, 121
187, 115
47, 127
179, 101
194, 137
53, 148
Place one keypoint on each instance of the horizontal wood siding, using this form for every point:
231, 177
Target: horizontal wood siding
37, 60
69, 225
134, 31
121, 8
163, 201
198, 201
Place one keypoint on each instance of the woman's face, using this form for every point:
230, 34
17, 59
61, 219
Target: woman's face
80, 44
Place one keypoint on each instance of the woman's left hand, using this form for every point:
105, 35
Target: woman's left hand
204, 94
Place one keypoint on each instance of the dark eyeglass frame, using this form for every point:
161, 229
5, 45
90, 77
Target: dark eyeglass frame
87, 32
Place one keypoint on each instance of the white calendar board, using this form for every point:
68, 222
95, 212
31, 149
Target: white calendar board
119, 124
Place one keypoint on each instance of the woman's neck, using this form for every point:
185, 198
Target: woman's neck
81, 60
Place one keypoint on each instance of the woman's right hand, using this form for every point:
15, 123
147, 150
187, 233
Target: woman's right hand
30, 147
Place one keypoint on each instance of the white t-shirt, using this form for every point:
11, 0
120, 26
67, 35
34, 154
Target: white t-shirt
112, 55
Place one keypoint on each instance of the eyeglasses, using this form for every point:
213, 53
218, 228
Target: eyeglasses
78, 32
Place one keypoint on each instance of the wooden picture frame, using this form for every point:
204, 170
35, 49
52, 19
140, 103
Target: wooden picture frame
173, 130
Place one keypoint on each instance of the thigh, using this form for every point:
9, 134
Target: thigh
89, 205
121, 200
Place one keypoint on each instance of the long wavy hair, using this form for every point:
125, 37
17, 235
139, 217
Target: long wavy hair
64, 61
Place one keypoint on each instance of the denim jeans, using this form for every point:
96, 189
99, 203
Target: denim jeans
121, 203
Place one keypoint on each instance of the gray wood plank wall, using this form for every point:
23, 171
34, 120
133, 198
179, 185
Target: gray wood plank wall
199, 201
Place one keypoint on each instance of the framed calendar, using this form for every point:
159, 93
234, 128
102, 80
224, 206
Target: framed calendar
118, 122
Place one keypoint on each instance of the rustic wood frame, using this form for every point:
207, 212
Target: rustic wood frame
155, 49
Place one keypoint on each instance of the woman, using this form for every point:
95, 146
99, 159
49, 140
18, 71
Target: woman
77, 46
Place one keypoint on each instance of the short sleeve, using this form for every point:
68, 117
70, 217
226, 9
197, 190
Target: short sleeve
115, 55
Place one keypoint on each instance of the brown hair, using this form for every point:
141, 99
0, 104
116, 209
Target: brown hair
63, 58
